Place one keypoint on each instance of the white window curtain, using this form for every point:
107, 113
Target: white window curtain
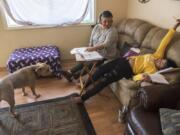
46, 12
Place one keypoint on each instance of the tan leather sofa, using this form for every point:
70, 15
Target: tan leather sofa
147, 37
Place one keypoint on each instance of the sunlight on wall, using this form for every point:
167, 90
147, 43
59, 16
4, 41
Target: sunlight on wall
158, 12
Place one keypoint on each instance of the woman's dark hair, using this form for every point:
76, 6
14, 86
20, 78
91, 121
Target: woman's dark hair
171, 63
105, 14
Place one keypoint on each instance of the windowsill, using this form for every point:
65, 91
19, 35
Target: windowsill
46, 27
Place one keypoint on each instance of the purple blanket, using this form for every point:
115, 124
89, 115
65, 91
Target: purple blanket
48, 54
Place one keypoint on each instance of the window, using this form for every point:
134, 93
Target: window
48, 13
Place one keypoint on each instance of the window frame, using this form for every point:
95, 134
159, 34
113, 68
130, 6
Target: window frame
5, 22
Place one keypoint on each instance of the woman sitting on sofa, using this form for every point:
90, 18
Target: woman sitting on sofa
103, 39
137, 67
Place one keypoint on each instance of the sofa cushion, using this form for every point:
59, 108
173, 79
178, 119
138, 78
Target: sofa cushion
121, 26
170, 120
141, 32
146, 50
122, 38
132, 25
129, 26
153, 38
144, 122
127, 91
135, 28
174, 49
173, 77
125, 48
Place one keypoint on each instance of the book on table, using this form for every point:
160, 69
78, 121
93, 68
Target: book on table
82, 55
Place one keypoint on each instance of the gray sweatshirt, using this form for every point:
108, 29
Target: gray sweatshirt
106, 37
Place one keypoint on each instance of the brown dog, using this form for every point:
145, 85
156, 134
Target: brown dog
20, 79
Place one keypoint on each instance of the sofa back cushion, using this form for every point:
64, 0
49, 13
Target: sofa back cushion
173, 51
135, 29
172, 77
153, 38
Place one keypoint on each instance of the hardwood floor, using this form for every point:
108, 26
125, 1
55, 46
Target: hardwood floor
102, 108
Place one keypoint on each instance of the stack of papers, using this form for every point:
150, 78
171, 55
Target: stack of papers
167, 70
158, 78
82, 55
78, 50
136, 50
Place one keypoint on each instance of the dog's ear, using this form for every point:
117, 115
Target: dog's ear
42, 69
39, 67
40, 64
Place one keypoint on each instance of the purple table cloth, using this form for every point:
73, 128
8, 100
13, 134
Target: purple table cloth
48, 54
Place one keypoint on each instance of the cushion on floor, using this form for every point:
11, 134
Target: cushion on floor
23, 57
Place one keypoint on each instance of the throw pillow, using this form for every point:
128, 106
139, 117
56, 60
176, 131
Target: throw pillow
170, 121
125, 48
132, 52
128, 50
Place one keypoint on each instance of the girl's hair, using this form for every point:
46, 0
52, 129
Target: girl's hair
105, 14
171, 63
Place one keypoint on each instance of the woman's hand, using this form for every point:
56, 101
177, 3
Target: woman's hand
146, 78
90, 49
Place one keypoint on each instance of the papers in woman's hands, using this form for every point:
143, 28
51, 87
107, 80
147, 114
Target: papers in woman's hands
78, 50
83, 55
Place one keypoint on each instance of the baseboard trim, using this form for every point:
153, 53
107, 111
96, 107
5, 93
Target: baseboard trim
67, 61
2, 69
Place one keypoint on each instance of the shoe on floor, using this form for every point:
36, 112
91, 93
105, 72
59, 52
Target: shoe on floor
77, 99
67, 75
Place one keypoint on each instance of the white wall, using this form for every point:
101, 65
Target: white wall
158, 12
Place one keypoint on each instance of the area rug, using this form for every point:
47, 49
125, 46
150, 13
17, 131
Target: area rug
60, 116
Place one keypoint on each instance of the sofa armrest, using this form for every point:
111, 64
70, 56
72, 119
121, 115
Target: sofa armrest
159, 96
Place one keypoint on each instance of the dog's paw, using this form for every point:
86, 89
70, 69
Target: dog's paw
37, 96
24, 94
